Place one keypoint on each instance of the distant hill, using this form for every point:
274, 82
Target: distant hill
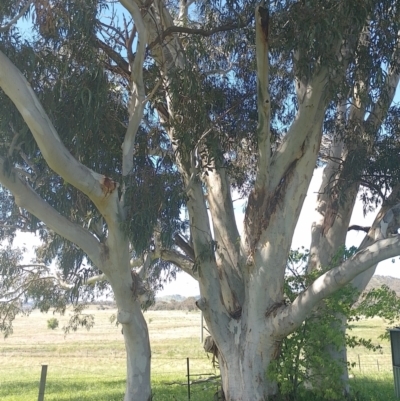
169, 298
392, 282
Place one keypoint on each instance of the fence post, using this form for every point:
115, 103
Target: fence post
188, 377
42, 384
359, 363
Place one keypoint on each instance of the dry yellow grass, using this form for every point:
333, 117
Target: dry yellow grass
98, 355
174, 336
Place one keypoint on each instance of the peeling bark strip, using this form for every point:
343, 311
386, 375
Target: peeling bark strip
255, 204
264, 14
138, 287
210, 347
108, 185
330, 215
277, 352
261, 207
277, 197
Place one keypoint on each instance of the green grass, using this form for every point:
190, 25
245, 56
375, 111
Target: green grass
91, 365
76, 388
370, 362
378, 388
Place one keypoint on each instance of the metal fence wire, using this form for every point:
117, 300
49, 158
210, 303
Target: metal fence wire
186, 372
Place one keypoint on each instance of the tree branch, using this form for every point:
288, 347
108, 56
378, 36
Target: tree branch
197, 31
95, 279
53, 150
184, 246
386, 97
360, 282
28, 199
263, 98
289, 318
17, 17
226, 235
358, 228
182, 261
138, 96
310, 115
116, 57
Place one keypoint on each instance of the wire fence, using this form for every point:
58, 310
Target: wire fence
186, 380
379, 361
194, 378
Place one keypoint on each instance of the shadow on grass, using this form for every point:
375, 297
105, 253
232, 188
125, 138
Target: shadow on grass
100, 390
65, 390
363, 388
167, 392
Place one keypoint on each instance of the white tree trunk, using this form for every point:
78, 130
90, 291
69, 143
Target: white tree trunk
243, 372
111, 256
136, 337
138, 354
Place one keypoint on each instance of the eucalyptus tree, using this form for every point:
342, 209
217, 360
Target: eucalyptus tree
233, 97
77, 168
258, 91
363, 148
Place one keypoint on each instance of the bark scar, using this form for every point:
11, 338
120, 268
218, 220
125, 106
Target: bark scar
277, 351
273, 310
264, 15
107, 185
138, 287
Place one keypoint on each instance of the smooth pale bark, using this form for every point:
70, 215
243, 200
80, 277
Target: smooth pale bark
248, 328
29, 200
263, 97
226, 235
112, 255
243, 363
138, 95
17, 88
248, 338
330, 229
134, 328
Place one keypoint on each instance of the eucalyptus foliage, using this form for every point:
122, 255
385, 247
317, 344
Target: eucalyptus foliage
153, 107
305, 367
87, 103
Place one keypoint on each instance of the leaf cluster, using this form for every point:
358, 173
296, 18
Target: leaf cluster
306, 359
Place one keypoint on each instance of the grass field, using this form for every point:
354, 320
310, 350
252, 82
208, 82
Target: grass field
91, 365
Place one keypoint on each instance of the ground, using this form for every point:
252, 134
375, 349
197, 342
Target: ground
90, 365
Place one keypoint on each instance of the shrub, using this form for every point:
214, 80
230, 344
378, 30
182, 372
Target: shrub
52, 323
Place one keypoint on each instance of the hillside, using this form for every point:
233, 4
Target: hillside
392, 282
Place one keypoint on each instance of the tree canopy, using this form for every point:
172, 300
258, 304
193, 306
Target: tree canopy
116, 116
